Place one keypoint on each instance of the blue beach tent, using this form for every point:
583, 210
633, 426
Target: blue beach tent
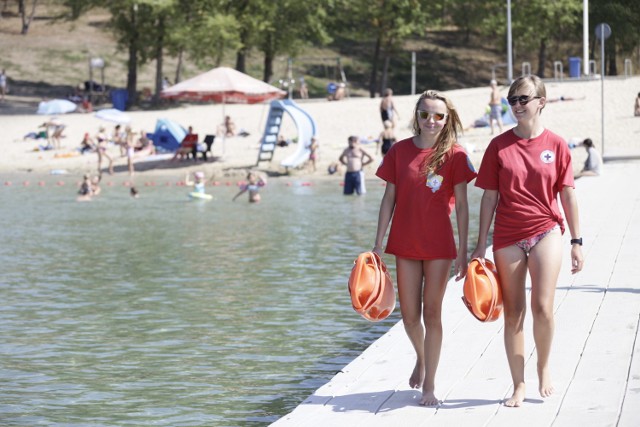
168, 135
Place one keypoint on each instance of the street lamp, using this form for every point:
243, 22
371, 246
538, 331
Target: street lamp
509, 44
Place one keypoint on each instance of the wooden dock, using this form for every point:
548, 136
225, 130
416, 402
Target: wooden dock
595, 360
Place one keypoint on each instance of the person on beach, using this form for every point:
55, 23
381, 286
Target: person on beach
593, 164
355, 159
313, 153
495, 106
87, 144
129, 144
227, 128
119, 138
253, 185
522, 172
101, 148
387, 138
426, 176
636, 107
55, 128
3, 84
388, 108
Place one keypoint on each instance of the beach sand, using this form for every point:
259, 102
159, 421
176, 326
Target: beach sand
336, 121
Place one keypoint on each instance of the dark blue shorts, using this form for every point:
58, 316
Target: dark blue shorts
353, 182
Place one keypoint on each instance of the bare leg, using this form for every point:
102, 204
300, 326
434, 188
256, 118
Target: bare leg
544, 266
436, 273
110, 163
410, 294
512, 269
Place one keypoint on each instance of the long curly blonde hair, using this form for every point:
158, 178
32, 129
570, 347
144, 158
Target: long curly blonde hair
447, 137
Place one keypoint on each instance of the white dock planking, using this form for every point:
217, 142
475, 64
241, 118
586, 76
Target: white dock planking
595, 359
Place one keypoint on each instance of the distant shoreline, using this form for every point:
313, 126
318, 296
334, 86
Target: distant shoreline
336, 121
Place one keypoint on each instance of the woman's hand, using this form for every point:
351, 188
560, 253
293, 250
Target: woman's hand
461, 265
577, 261
479, 252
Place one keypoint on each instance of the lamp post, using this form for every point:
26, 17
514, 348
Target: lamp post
509, 44
585, 37
603, 31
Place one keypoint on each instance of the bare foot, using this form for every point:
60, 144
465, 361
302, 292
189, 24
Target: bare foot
417, 376
429, 399
517, 398
544, 379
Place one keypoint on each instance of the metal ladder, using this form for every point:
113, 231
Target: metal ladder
270, 137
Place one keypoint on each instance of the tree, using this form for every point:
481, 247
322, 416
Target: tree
623, 16
280, 27
387, 23
27, 17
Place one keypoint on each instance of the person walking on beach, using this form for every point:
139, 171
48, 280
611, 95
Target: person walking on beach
3, 84
355, 159
101, 148
522, 172
387, 138
425, 175
636, 106
495, 106
388, 108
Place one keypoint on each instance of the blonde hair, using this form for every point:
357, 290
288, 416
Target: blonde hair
529, 82
447, 137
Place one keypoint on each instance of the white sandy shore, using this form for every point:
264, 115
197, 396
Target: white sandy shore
575, 119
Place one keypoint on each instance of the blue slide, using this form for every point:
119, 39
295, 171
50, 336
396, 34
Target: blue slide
306, 129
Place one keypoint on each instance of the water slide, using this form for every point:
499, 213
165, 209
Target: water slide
306, 129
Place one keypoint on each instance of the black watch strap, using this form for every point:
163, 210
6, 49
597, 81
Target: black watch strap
576, 241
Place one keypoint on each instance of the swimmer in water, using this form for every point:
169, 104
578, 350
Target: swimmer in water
253, 185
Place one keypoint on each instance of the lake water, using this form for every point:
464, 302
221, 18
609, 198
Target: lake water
167, 312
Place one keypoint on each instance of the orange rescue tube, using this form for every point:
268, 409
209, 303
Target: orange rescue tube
371, 288
481, 292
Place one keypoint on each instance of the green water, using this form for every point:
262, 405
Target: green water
168, 312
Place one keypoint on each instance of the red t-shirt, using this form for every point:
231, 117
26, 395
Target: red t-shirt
421, 227
528, 174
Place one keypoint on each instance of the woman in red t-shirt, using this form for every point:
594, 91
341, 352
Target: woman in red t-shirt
426, 176
522, 173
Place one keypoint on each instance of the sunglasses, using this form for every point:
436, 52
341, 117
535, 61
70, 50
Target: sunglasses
436, 116
522, 99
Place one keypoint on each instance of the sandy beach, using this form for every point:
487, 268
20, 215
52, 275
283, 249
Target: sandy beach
573, 119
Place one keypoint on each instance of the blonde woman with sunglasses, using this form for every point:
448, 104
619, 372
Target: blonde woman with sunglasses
426, 176
522, 172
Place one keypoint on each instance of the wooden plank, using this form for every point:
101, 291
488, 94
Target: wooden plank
595, 360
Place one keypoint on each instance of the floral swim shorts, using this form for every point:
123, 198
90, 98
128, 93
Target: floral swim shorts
527, 244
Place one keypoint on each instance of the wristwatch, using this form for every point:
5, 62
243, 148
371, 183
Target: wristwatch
576, 241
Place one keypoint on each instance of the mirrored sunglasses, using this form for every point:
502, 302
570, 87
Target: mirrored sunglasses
425, 115
522, 99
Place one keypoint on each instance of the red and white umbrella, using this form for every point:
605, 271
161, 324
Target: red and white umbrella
224, 85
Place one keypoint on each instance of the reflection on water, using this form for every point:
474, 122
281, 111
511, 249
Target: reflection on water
162, 311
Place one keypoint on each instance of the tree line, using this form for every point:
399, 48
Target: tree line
203, 31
